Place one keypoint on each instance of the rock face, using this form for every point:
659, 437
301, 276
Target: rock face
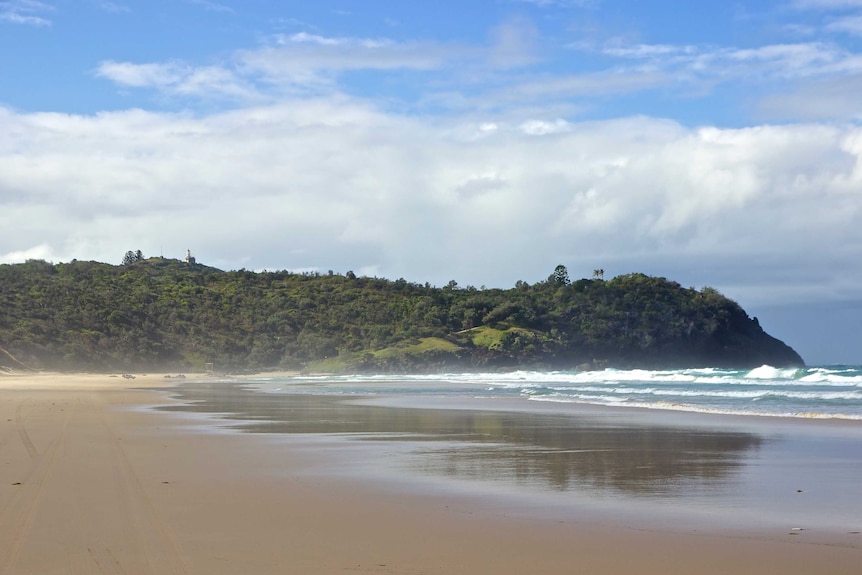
739, 345
749, 346
166, 314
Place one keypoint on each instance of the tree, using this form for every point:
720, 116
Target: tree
132, 257
599, 274
561, 275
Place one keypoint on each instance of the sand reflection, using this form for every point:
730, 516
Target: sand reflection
550, 451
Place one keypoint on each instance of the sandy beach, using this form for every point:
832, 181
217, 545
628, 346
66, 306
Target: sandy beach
94, 481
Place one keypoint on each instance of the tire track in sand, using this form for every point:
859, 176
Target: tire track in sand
20, 513
83, 560
88, 554
102, 513
22, 433
106, 561
160, 545
123, 533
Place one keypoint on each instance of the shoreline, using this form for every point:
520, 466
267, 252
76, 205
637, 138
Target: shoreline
106, 482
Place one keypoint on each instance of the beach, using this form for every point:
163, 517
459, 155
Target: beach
93, 479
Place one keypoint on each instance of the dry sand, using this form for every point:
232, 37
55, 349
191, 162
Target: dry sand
92, 482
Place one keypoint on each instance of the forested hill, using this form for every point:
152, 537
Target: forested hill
166, 314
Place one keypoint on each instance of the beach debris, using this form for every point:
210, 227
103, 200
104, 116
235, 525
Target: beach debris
798, 491
17, 483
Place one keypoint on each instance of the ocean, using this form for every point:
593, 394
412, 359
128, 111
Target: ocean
828, 392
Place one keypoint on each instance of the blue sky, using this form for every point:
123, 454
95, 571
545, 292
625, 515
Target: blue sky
486, 141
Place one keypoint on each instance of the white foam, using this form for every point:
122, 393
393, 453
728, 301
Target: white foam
769, 372
833, 378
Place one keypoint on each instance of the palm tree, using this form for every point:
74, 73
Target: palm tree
599, 274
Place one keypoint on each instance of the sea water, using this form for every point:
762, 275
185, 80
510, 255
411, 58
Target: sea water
833, 392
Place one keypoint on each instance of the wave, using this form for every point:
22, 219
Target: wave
769, 372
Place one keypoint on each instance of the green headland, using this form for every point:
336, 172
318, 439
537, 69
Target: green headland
168, 314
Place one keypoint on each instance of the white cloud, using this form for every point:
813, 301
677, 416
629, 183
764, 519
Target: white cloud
315, 52
305, 38
142, 75
295, 63
209, 80
25, 12
305, 62
40, 252
785, 55
849, 24
180, 79
621, 50
775, 73
728, 63
311, 62
481, 79
544, 127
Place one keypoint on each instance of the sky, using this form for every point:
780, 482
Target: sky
483, 141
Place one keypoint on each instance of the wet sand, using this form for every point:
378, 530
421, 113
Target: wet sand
94, 481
